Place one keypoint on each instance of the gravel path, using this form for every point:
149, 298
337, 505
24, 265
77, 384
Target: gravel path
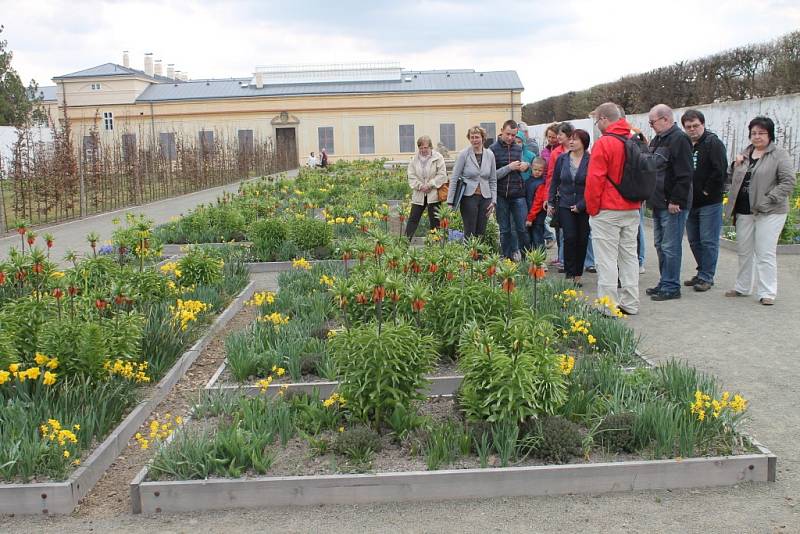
72, 234
753, 349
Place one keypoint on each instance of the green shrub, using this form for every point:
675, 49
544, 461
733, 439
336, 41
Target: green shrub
615, 433
380, 370
310, 235
560, 439
200, 266
359, 444
510, 371
267, 236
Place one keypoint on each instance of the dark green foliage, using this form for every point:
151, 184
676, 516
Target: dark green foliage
615, 433
359, 444
560, 439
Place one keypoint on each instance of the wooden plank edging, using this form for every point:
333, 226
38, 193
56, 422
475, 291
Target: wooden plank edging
63, 497
216, 494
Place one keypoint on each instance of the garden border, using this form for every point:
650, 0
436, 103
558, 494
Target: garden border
258, 492
63, 497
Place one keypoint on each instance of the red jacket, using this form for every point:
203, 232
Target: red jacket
541, 194
607, 159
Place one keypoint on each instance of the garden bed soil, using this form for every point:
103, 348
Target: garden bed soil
64, 497
110, 496
300, 477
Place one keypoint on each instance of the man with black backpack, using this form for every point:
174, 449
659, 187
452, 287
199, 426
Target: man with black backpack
614, 219
671, 200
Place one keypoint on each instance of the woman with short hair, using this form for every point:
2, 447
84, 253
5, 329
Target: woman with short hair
762, 181
566, 196
426, 174
475, 165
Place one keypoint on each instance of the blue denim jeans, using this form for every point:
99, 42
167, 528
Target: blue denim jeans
703, 228
668, 233
641, 244
511, 214
536, 230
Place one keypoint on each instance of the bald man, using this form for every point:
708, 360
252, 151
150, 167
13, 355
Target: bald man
671, 200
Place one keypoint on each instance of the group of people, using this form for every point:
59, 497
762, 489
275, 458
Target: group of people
321, 162
579, 194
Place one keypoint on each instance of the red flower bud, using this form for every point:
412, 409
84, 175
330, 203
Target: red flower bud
58, 293
100, 304
508, 285
417, 305
432, 268
378, 293
491, 270
72, 290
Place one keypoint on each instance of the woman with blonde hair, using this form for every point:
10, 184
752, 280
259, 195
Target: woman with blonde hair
426, 174
475, 167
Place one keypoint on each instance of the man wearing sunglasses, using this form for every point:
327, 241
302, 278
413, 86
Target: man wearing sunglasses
671, 200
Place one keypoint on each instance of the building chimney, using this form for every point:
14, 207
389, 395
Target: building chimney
171, 70
126, 59
259, 80
148, 63
158, 69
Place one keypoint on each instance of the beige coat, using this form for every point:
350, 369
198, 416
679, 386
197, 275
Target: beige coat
771, 182
435, 177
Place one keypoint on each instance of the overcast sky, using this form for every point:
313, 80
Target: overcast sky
555, 46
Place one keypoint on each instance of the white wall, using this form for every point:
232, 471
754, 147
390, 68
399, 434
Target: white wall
728, 120
8, 136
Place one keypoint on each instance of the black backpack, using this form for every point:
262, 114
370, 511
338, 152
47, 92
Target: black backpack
640, 172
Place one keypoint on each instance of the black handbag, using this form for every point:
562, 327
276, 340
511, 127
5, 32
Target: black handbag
461, 185
554, 222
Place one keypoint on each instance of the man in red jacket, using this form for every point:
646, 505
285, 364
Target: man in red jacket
614, 219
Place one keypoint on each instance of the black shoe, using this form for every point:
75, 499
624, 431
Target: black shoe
702, 285
623, 311
692, 282
652, 290
591, 269
664, 295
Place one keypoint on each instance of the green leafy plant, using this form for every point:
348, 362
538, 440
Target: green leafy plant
311, 235
510, 373
267, 236
381, 371
615, 432
200, 266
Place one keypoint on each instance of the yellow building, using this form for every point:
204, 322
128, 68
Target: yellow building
353, 111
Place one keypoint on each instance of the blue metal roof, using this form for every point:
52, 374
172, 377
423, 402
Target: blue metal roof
112, 69
411, 82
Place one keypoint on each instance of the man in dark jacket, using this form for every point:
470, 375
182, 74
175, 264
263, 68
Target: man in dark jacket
511, 204
704, 224
671, 200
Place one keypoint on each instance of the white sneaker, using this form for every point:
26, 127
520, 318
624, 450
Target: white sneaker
517, 256
641, 269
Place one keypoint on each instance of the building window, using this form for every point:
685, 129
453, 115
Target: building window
128, 147
447, 135
108, 120
246, 141
95, 87
90, 148
325, 134
366, 139
206, 142
166, 143
406, 138
491, 130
